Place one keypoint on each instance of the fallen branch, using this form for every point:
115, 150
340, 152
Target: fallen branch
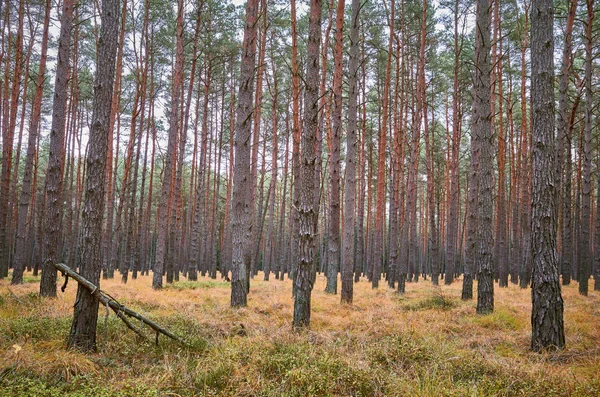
15, 297
120, 310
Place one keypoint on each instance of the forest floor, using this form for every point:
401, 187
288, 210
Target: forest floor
425, 343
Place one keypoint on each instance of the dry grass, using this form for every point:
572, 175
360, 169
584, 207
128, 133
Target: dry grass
425, 343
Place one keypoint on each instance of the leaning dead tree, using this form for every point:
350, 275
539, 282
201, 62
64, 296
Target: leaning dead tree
123, 312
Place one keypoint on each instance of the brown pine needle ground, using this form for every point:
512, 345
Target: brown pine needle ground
425, 343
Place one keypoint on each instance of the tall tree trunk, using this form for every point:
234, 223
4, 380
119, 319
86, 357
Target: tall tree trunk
107, 241
516, 173
22, 257
257, 208
333, 241
167, 189
241, 218
482, 130
138, 256
585, 255
414, 258
359, 268
501, 243
85, 314
395, 179
8, 135
547, 303
525, 265
303, 280
454, 205
597, 233
282, 244
433, 238
227, 243
12, 219
270, 244
198, 226
379, 246
54, 173
348, 257
564, 143
296, 141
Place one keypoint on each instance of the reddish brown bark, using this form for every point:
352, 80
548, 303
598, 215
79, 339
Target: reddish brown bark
563, 184
8, 135
167, 189
333, 241
27, 193
54, 173
501, 243
379, 247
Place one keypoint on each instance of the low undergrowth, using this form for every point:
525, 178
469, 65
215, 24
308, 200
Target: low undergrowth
433, 302
185, 285
427, 343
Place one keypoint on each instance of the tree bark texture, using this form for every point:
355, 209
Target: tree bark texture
167, 188
333, 242
566, 256
348, 257
21, 252
547, 303
585, 254
242, 211
54, 173
85, 315
303, 280
482, 131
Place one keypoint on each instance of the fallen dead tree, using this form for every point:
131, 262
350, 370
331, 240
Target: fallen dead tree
123, 312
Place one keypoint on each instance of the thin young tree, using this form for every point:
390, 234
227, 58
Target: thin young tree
270, 244
413, 170
85, 314
525, 204
21, 250
501, 238
168, 185
585, 255
296, 135
454, 205
379, 247
547, 303
8, 136
110, 243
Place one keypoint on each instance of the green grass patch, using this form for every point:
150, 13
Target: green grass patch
23, 385
28, 278
303, 369
35, 328
435, 302
500, 319
186, 285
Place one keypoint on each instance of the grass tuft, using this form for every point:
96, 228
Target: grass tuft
436, 302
